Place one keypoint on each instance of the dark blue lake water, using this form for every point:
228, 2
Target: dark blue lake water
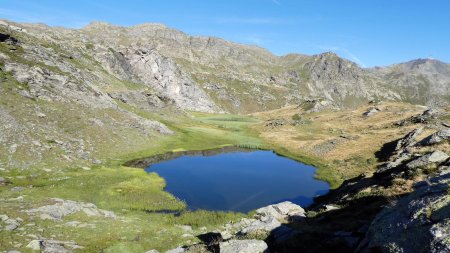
239, 181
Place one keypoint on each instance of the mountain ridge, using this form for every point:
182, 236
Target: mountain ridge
228, 76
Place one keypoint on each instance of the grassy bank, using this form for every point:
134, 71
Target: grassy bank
200, 131
137, 198
144, 210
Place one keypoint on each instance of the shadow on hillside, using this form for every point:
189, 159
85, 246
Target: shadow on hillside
337, 231
386, 151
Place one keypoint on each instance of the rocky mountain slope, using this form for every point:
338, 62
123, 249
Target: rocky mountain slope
73, 98
210, 74
62, 87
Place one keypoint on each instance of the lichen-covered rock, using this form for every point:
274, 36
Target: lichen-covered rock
243, 246
417, 223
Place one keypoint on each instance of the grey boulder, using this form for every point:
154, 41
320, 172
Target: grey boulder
430, 158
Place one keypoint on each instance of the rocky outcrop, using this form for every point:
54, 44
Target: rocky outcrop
427, 116
248, 234
400, 151
438, 137
417, 223
407, 141
160, 73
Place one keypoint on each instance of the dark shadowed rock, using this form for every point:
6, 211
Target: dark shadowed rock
415, 224
438, 137
408, 140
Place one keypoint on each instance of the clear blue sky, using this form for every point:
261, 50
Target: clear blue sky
371, 33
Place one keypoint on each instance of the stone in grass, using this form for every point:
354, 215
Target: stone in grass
243, 246
41, 115
11, 224
35, 245
177, 250
3, 181
371, 112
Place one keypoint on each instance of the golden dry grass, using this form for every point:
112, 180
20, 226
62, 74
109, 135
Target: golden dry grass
347, 157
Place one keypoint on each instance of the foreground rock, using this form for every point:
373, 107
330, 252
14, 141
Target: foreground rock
268, 219
263, 225
283, 210
63, 208
419, 222
244, 246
